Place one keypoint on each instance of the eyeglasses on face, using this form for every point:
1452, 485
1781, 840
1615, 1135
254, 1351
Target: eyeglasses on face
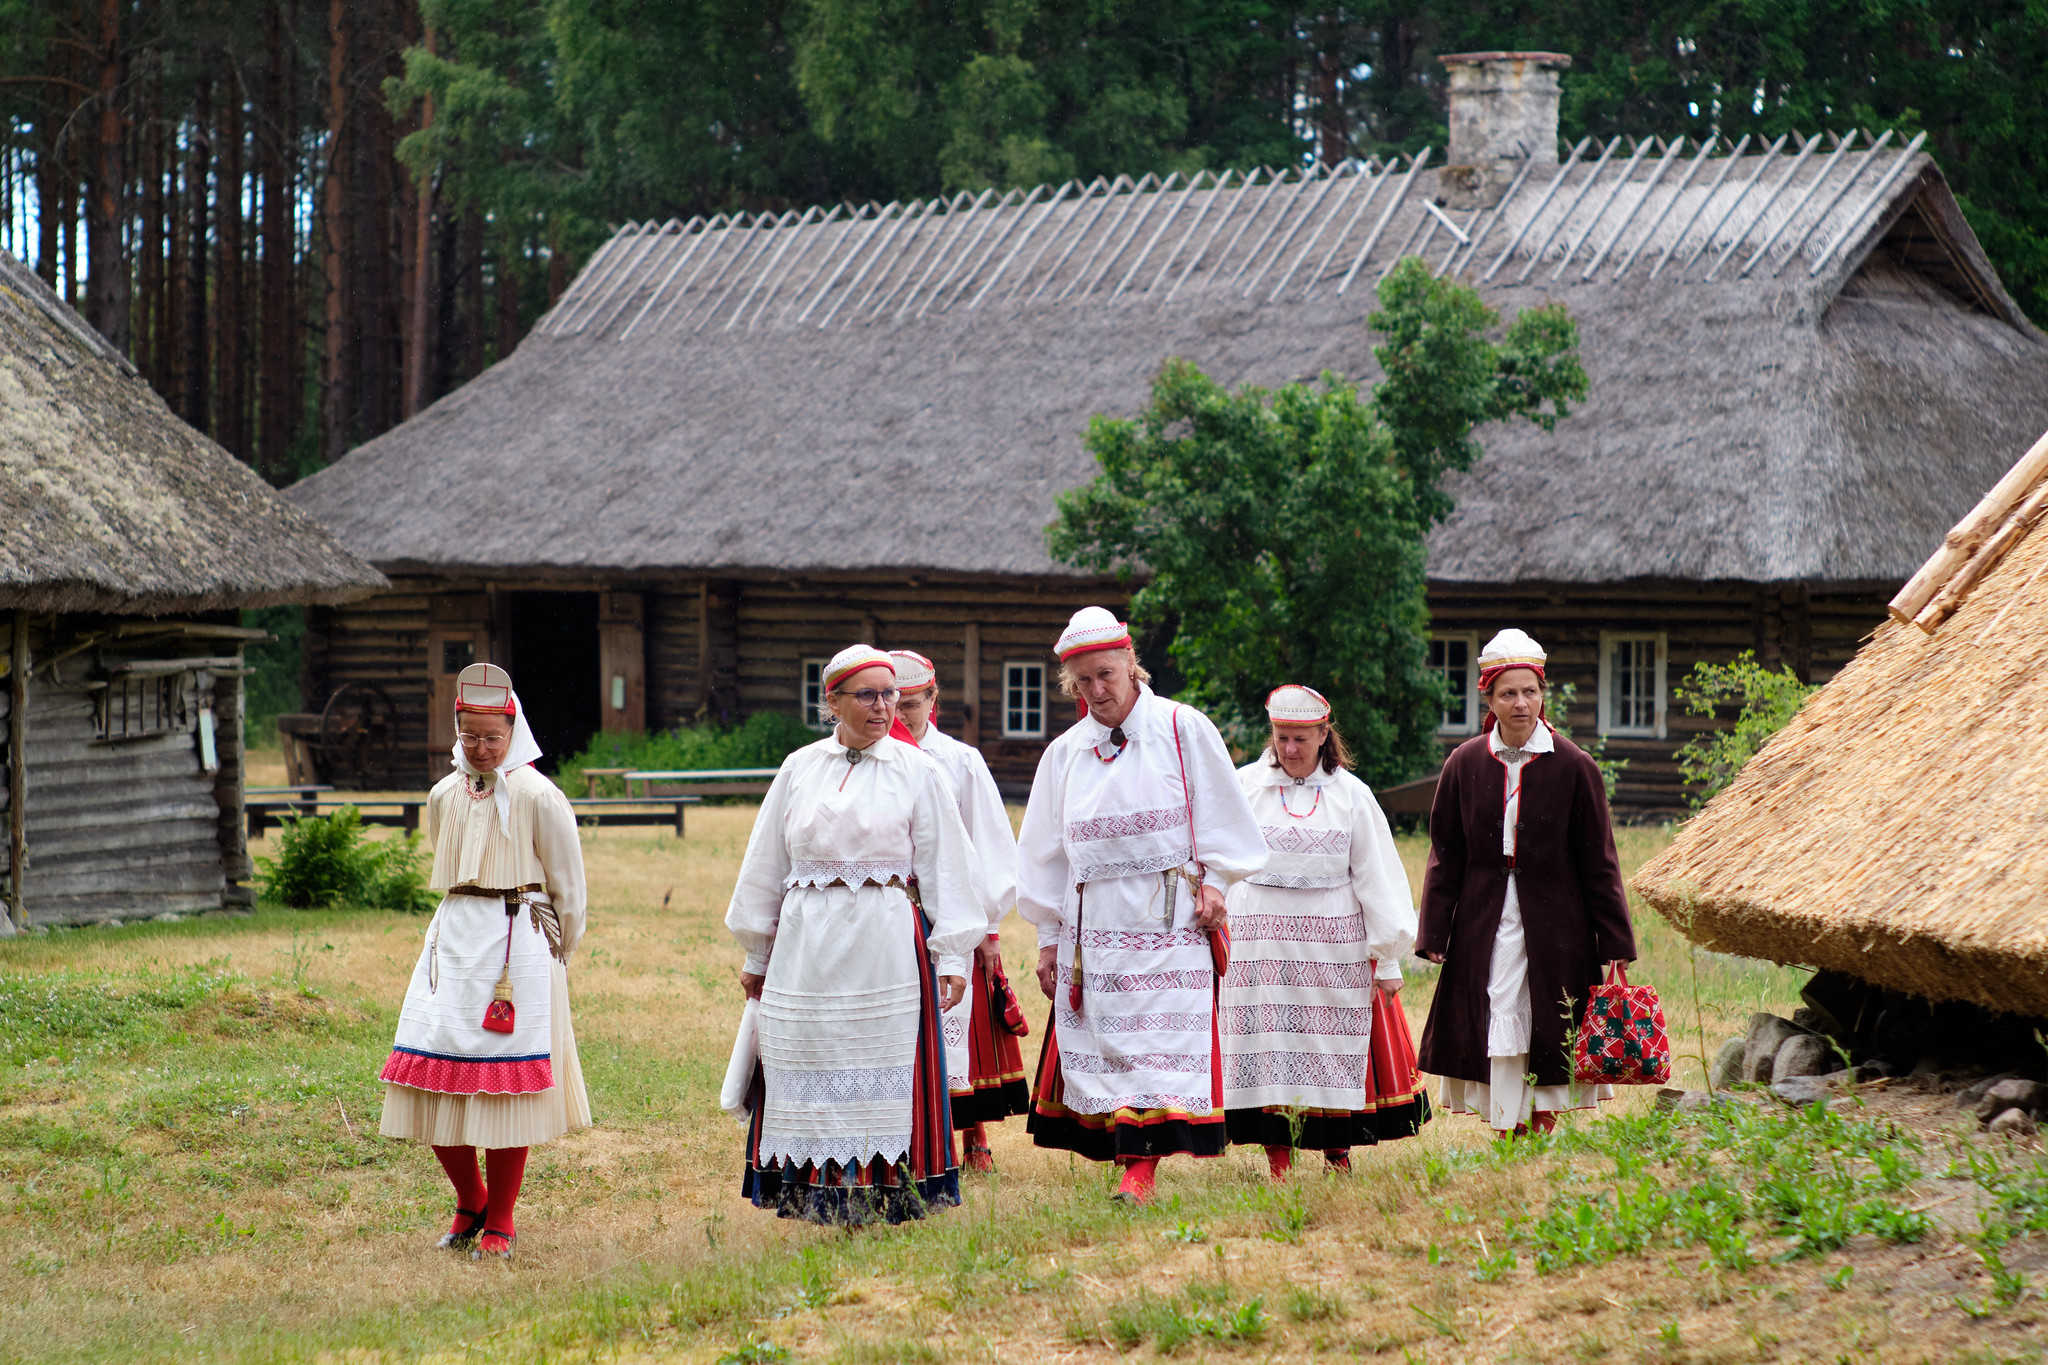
470, 741
871, 697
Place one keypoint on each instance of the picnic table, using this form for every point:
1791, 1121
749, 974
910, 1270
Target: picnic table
404, 812
307, 792
702, 781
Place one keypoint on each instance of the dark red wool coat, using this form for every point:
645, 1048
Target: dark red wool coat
1574, 910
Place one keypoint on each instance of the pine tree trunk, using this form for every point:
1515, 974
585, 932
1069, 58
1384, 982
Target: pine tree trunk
507, 282
231, 419
276, 400
338, 356
198, 167
472, 306
171, 322
107, 288
419, 331
49, 182
149, 348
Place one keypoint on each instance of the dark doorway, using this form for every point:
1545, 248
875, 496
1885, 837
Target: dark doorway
554, 668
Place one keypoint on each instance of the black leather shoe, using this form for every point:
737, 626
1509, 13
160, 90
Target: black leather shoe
478, 1253
460, 1240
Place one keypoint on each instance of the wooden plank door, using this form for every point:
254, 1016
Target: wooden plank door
458, 635
622, 661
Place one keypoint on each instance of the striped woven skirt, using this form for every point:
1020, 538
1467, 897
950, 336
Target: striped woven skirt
849, 1144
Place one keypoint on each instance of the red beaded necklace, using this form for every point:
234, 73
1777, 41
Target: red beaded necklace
1116, 737
1300, 781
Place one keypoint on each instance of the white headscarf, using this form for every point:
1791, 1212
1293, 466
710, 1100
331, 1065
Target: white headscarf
523, 750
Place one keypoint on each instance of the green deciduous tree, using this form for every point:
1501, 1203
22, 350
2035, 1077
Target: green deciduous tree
1767, 699
1284, 530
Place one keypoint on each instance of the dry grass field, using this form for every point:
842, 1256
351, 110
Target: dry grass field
190, 1171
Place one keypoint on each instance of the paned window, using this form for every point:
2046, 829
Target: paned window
815, 713
1023, 701
1632, 684
1450, 657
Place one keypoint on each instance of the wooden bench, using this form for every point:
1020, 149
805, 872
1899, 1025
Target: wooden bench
702, 781
306, 792
405, 814
398, 814
606, 810
591, 777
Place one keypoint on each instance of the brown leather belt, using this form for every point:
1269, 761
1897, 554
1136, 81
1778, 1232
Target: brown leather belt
542, 912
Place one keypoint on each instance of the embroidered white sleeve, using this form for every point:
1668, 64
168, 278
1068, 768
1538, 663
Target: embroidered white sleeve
1042, 874
1378, 881
756, 906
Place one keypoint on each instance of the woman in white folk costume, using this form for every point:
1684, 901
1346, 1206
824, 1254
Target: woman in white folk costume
1311, 1058
984, 1067
1522, 903
1134, 831
485, 1054
849, 1114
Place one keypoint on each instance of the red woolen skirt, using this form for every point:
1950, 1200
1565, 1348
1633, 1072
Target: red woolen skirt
995, 1064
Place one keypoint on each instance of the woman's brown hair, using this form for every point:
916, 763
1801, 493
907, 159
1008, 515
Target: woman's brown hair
1332, 756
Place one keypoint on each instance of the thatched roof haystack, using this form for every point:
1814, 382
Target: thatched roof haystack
1897, 829
1803, 368
110, 503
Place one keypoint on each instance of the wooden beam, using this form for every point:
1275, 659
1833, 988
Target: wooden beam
1969, 535
17, 772
970, 687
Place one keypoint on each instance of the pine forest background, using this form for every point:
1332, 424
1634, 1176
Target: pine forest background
307, 219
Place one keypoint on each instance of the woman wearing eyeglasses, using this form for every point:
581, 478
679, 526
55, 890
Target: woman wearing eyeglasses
859, 904
485, 1054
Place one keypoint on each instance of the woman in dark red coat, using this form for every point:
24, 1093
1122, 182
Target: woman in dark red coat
1522, 903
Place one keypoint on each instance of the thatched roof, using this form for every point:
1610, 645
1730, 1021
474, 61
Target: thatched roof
1801, 362
1897, 829
112, 504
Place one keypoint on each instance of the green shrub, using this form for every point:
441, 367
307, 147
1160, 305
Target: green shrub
324, 860
763, 741
1769, 701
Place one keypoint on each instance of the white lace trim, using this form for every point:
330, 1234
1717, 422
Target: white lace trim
853, 1085
1295, 882
809, 872
847, 1151
1136, 867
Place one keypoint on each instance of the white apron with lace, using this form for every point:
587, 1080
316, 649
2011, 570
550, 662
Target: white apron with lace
816, 912
1143, 1039
1306, 933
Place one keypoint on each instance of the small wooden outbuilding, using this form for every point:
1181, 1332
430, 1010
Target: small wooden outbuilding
1897, 829
128, 543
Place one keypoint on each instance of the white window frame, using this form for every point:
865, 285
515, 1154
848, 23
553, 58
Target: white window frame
1608, 640
1010, 667
810, 693
1470, 725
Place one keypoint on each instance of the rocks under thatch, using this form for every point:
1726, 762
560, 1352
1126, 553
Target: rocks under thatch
110, 503
1897, 829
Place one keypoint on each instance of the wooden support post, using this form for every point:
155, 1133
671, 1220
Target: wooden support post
17, 772
970, 687
704, 645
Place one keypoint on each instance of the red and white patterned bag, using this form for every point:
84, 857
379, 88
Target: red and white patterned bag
1622, 1040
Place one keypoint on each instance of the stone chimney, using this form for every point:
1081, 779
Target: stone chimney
1503, 116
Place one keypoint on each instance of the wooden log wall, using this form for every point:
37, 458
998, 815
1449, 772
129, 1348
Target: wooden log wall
1814, 633
721, 649
135, 827
380, 640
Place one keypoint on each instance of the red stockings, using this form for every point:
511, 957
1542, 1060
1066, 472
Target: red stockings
460, 1164
506, 1167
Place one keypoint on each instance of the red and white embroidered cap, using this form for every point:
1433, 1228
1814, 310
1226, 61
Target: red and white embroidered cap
913, 670
485, 688
1509, 649
852, 660
1092, 628
1294, 704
